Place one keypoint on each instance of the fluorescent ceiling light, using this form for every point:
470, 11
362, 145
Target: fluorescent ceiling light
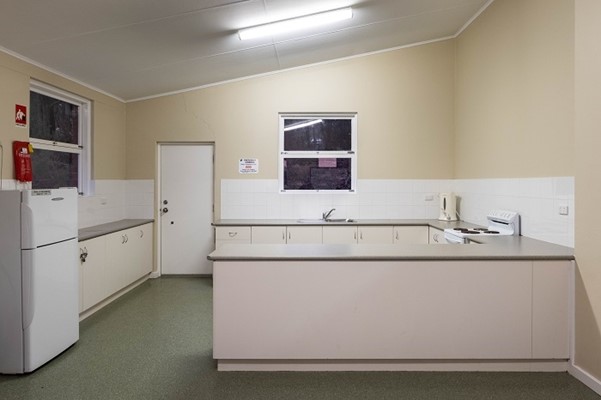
302, 125
294, 24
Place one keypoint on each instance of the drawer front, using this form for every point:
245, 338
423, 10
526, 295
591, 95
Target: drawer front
234, 233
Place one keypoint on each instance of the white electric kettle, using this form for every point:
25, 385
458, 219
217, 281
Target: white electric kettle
448, 207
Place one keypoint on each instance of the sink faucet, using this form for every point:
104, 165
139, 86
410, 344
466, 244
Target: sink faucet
326, 215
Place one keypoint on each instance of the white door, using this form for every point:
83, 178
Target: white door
186, 204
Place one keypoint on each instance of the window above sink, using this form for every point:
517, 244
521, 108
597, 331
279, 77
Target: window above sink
318, 153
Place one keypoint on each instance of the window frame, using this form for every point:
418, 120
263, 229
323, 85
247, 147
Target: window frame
83, 147
352, 153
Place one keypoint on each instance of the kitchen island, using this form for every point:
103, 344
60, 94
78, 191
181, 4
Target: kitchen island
499, 305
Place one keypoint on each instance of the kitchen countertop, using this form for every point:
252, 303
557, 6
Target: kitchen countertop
104, 229
498, 248
485, 248
355, 222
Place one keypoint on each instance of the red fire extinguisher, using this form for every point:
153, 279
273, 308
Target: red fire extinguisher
22, 155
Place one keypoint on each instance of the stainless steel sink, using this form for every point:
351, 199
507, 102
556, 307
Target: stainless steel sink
339, 220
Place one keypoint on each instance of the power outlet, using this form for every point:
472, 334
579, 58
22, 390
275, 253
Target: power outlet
564, 210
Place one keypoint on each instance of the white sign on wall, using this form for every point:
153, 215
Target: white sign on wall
249, 166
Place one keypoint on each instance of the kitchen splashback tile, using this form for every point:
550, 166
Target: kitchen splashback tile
536, 199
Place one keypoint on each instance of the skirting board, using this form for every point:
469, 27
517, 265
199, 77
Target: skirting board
394, 365
585, 377
85, 314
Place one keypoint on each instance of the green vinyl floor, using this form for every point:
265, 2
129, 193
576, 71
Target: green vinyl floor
156, 343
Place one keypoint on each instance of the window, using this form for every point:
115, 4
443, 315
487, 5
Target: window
59, 132
318, 152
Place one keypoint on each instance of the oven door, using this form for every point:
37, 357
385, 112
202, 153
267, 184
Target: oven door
454, 239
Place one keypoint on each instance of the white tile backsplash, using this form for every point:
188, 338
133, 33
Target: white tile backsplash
536, 199
117, 199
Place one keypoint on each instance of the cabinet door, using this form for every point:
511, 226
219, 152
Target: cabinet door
304, 235
232, 234
375, 234
339, 234
140, 250
95, 277
268, 235
436, 236
116, 254
411, 235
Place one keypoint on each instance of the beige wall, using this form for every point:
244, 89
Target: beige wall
588, 186
108, 117
515, 91
404, 101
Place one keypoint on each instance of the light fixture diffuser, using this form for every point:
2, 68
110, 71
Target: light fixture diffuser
294, 24
302, 125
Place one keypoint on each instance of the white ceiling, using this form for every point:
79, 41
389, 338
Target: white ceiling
140, 48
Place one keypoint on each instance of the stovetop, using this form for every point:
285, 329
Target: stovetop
500, 222
476, 231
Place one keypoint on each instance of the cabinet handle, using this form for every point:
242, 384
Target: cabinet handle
141, 233
289, 235
122, 239
355, 235
83, 254
361, 235
126, 239
283, 235
396, 235
232, 234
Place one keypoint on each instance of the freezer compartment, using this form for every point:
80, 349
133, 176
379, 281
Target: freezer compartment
48, 216
50, 302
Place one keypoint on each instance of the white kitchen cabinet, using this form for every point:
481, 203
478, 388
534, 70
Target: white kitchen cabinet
375, 235
268, 235
141, 240
232, 234
411, 234
94, 278
551, 309
340, 235
304, 235
117, 265
113, 262
436, 236
436, 310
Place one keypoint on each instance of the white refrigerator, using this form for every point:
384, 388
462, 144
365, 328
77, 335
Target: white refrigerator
39, 282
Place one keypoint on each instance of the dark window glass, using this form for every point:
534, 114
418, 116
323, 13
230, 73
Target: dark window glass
316, 134
53, 119
54, 169
317, 173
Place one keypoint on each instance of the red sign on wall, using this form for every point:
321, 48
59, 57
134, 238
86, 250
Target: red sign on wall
20, 115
